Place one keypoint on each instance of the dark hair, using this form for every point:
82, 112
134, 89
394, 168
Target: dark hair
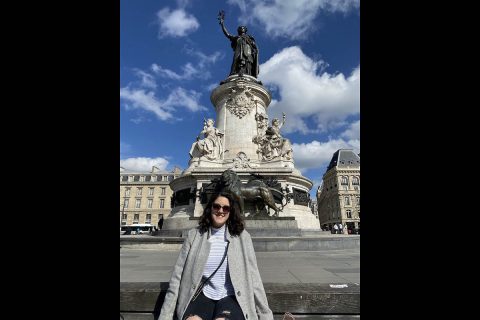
235, 221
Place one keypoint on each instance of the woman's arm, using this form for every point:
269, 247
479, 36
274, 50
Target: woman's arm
261, 304
168, 308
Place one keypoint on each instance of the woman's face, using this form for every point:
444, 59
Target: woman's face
220, 211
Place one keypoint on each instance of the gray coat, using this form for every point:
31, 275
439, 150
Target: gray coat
244, 274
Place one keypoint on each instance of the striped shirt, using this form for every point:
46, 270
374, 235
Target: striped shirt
220, 285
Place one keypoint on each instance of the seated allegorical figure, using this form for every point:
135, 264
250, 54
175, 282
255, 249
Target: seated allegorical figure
210, 147
272, 144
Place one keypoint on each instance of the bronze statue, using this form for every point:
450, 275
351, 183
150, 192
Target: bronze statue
255, 190
245, 56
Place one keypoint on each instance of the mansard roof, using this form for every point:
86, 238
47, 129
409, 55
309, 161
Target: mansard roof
343, 158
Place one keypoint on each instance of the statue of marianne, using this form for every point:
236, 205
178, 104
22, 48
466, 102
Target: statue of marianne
245, 56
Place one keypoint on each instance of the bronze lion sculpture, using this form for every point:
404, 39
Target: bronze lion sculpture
254, 190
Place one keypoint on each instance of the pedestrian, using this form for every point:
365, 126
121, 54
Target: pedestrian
216, 274
335, 228
160, 222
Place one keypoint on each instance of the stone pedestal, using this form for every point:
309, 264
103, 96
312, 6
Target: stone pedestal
241, 106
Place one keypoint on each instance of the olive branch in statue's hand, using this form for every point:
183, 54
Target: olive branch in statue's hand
221, 16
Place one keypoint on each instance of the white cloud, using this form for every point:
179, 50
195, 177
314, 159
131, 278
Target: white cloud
304, 93
205, 60
147, 80
140, 119
163, 109
182, 3
317, 154
185, 98
287, 18
190, 71
211, 86
143, 164
146, 101
176, 23
353, 131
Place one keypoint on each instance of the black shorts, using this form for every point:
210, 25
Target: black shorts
209, 309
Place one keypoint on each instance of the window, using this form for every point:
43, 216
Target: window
130, 178
142, 178
135, 218
127, 192
355, 181
349, 214
148, 219
163, 192
347, 201
124, 216
162, 203
150, 202
165, 178
358, 200
125, 203
344, 181
150, 191
137, 203
139, 191
154, 178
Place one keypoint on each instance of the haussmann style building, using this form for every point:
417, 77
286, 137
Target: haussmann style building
338, 198
145, 196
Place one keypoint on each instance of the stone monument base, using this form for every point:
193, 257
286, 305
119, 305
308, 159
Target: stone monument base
258, 226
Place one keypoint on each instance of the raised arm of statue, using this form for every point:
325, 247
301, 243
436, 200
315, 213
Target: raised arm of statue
221, 19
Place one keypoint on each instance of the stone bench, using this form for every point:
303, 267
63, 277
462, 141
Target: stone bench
309, 301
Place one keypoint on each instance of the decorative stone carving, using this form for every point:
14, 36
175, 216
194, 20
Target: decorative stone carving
240, 101
271, 144
211, 147
242, 161
301, 197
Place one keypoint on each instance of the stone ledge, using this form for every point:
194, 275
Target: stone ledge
304, 300
267, 244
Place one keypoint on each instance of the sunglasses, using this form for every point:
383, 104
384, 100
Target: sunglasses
217, 207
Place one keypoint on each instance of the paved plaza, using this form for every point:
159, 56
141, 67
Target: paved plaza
154, 263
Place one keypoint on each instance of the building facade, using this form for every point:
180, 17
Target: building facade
338, 197
145, 196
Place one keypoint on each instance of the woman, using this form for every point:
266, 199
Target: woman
235, 291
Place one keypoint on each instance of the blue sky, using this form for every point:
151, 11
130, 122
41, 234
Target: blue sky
173, 53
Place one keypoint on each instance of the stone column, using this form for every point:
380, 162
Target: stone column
236, 103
